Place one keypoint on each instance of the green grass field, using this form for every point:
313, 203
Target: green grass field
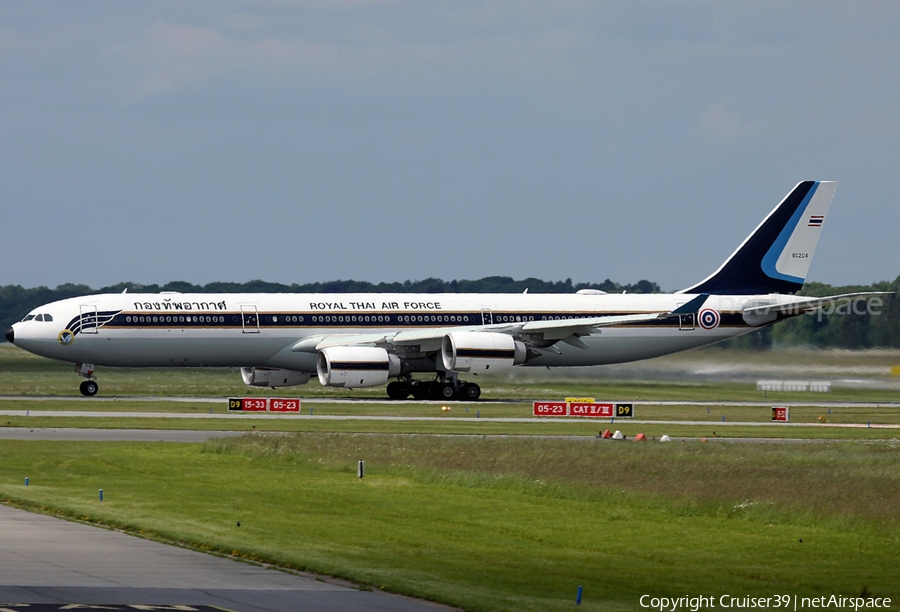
485, 523
500, 524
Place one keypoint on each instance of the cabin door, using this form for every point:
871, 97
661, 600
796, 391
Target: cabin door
249, 319
487, 318
89, 321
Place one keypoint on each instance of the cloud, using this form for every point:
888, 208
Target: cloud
174, 57
722, 122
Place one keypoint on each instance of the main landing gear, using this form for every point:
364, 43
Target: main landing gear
444, 387
90, 386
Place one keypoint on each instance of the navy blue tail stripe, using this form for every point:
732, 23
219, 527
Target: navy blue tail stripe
743, 273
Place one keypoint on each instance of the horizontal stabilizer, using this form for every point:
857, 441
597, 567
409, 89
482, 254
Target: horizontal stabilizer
692, 307
811, 304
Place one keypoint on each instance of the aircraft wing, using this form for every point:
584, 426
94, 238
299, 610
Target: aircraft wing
430, 338
567, 328
811, 303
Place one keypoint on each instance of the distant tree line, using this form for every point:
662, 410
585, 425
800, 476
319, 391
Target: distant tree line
858, 329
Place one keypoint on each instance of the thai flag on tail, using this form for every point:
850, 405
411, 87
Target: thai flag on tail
816, 220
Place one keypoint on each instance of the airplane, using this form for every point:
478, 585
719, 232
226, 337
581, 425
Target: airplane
365, 340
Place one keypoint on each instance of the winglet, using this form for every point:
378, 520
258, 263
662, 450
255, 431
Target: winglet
692, 307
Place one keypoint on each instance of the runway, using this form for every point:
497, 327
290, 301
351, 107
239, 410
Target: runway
49, 560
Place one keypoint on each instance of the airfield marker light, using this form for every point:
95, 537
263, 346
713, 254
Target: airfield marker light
723, 418
578, 599
478, 414
101, 494
707, 410
360, 469
829, 411
310, 409
26, 481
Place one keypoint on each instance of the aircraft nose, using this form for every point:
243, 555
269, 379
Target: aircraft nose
11, 335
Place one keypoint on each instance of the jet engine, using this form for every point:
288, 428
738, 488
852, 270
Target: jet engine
273, 377
480, 351
356, 366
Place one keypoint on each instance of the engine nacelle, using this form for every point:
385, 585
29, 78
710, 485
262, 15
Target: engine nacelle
356, 366
273, 377
481, 352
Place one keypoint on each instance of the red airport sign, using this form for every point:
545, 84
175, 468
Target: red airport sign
284, 405
591, 410
254, 404
781, 413
550, 408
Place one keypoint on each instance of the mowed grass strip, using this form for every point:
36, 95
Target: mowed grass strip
456, 427
501, 524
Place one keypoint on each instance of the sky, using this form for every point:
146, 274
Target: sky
385, 140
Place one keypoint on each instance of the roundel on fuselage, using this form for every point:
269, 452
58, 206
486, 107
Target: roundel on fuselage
709, 318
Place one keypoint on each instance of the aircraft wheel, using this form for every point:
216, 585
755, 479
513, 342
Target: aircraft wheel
434, 390
470, 391
421, 390
89, 388
398, 390
445, 391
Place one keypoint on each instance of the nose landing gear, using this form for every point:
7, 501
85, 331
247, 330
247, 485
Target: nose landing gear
89, 387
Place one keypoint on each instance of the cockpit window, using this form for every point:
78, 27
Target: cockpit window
28, 318
47, 318
39, 318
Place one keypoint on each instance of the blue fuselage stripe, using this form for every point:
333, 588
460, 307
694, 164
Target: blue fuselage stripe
276, 320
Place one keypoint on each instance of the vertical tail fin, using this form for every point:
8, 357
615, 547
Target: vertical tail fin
776, 256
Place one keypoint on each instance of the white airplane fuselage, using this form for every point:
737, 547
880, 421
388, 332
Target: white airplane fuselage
247, 330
